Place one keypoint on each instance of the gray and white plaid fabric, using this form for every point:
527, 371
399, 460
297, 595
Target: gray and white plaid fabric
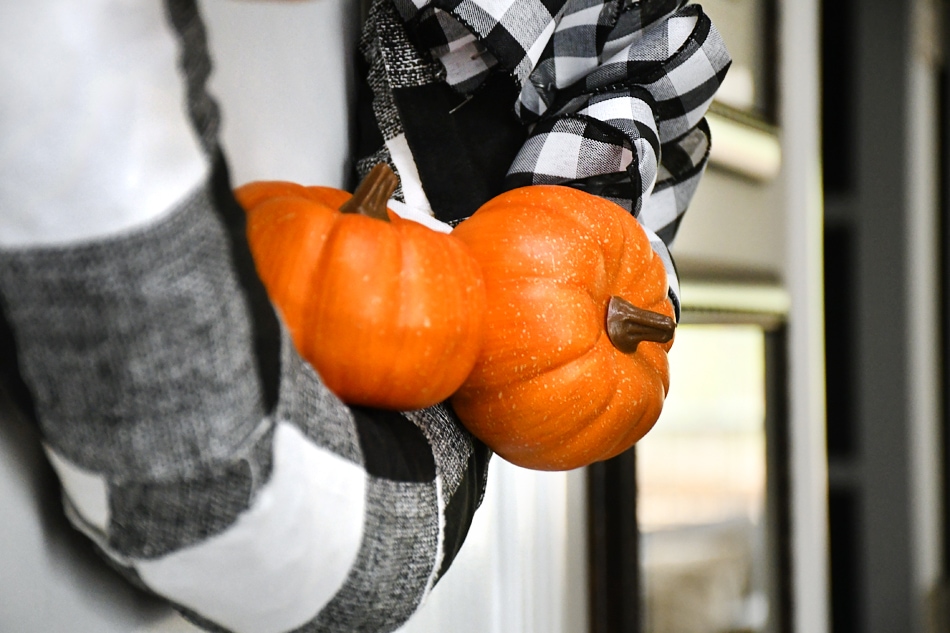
611, 94
195, 448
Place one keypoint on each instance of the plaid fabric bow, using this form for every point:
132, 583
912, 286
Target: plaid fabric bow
471, 97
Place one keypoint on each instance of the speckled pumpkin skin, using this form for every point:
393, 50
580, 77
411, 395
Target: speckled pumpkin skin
389, 313
549, 391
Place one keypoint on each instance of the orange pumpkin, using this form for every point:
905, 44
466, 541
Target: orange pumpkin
388, 311
573, 365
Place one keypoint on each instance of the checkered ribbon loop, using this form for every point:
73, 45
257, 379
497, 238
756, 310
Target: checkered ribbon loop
598, 69
608, 145
610, 96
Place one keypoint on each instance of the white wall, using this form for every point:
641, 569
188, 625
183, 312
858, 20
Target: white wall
284, 76
734, 222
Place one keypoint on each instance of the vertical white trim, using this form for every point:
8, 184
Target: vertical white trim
514, 548
801, 176
523, 565
575, 602
923, 309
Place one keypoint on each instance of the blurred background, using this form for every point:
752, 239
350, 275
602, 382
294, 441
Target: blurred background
797, 480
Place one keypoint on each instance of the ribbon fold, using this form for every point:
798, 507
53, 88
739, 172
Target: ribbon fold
608, 96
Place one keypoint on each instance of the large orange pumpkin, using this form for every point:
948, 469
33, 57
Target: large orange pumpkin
388, 311
573, 365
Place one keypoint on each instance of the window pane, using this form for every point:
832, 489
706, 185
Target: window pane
701, 476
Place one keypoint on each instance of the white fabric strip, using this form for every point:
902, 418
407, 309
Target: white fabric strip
440, 551
94, 138
87, 491
409, 178
679, 29
406, 212
661, 250
621, 108
283, 559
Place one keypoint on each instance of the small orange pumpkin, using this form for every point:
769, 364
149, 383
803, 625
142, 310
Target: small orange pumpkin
573, 365
388, 311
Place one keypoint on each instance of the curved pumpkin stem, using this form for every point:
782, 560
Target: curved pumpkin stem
373, 192
628, 325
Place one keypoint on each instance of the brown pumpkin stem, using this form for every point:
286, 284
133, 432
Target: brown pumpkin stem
628, 325
371, 195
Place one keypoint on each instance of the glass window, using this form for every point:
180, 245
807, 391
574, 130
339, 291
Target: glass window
702, 487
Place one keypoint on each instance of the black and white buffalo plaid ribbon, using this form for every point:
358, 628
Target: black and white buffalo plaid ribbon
471, 97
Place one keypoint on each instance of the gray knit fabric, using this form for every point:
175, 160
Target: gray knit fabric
384, 590
135, 347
